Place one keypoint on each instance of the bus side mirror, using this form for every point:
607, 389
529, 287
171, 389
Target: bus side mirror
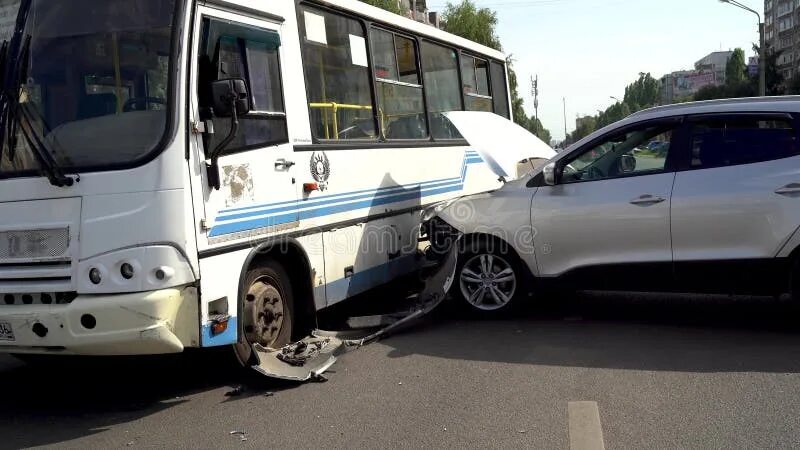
231, 99
230, 96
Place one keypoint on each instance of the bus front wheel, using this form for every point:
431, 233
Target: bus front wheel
267, 310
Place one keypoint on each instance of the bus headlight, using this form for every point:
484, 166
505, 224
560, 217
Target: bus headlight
95, 276
127, 271
137, 269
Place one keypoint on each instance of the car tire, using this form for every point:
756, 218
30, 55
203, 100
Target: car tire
267, 310
490, 279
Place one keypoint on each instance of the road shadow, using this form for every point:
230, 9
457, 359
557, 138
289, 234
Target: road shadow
614, 331
72, 397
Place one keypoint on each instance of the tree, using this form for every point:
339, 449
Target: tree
710, 92
389, 5
517, 111
613, 113
535, 126
736, 70
643, 93
793, 85
749, 87
473, 23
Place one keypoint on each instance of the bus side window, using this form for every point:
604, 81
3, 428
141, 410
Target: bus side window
475, 79
499, 91
440, 75
337, 77
231, 50
401, 107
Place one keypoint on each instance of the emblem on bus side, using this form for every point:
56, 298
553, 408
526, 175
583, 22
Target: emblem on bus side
320, 169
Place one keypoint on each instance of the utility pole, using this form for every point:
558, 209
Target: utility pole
762, 50
762, 60
564, 100
535, 94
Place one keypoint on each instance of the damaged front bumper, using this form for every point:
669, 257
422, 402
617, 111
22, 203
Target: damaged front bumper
124, 324
309, 358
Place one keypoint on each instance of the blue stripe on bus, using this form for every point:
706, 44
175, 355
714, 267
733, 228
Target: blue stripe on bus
325, 211
470, 157
327, 198
325, 205
289, 206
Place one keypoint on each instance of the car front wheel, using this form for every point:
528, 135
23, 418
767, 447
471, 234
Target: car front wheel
489, 281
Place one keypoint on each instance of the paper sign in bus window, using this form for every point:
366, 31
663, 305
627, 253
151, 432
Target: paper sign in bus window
315, 28
358, 50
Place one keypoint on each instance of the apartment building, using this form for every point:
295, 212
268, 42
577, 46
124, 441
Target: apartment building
782, 33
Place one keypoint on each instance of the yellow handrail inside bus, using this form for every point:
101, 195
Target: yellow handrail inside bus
334, 107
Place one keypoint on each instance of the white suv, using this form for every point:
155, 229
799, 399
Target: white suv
697, 197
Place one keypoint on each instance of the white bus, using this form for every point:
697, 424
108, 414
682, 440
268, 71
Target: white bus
179, 173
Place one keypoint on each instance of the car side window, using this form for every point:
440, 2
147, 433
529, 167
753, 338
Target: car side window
638, 151
730, 141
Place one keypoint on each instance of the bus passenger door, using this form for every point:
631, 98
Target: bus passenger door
251, 190
243, 184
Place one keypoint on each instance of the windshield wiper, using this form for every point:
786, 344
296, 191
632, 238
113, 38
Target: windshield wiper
20, 110
10, 67
39, 148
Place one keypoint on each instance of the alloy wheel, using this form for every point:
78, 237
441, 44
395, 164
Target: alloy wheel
488, 282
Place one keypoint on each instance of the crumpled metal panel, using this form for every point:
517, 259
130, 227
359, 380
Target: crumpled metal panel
310, 357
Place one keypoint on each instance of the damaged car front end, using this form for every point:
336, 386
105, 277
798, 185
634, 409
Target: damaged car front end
484, 232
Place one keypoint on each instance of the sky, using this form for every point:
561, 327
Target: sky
588, 50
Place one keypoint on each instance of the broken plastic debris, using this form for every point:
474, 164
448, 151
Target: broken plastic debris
269, 394
235, 392
309, 358
237, 432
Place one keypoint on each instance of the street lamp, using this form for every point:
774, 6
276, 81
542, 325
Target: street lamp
762, 50
614, 98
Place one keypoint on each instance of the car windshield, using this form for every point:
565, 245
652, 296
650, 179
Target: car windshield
96, 80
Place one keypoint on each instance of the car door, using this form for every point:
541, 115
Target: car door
736, 201
252, 188
605, 222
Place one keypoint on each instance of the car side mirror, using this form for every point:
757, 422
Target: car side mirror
230, 96
549, 172
627, 163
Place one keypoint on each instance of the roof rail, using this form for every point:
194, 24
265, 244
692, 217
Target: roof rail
724, 101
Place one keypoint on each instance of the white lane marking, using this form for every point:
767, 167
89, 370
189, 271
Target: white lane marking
585, 431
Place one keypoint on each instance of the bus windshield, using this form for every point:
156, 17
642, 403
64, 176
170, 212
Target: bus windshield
95, 81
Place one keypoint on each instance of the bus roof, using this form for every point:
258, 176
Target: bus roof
418, 28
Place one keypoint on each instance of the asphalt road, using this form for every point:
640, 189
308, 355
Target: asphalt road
664, 372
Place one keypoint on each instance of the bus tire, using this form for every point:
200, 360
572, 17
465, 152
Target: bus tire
267, 309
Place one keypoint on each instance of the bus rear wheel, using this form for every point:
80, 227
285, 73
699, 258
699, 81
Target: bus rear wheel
267, 310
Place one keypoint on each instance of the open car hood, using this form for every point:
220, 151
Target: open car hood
501, 143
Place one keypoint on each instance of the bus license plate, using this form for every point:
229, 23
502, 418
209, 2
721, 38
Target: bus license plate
6, 332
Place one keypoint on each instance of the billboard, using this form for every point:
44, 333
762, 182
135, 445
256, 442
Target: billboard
692, 82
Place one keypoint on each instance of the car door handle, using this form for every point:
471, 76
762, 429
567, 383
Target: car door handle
283, 164
789, 189
647, 199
